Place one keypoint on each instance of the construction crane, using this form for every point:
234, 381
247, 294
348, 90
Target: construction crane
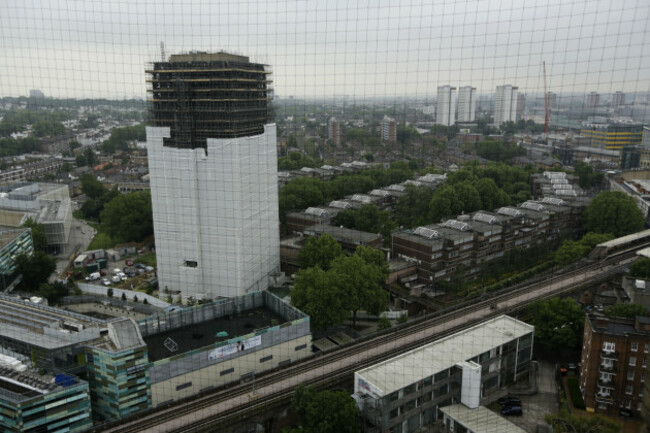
547, 110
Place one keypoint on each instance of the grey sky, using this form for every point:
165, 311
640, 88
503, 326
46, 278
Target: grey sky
324, 48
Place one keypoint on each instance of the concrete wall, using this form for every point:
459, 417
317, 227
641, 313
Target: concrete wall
211, 376
117, 293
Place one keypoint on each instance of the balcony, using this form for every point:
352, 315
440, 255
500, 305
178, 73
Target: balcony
606, 399
609, 384
606, 368
608, 354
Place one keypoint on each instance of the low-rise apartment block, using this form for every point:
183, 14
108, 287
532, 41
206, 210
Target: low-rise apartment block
615, 355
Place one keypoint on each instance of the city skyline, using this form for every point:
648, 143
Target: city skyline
318, 49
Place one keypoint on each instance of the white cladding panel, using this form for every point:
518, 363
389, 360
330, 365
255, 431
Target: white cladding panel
219, 210
470, 392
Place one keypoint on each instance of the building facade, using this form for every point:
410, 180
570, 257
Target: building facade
593, 100
334, 131
446, 106
615, 354
213, 175
614, 136
505, 104
618, 99
472, 367
43, 403
388, 130
467, 104
13, 243
551, 99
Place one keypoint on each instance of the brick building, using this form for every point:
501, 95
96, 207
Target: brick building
614, 362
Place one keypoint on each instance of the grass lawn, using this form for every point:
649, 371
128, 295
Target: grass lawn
148, 259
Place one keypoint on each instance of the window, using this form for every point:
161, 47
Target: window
301, 347
645, 362
609, 347
630, 375
191, 263
643, 376
634, 347
633, 361
646, 348
183, 386
628, 389
266, 358
228, 371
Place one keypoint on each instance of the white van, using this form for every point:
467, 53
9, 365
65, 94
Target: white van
94, 276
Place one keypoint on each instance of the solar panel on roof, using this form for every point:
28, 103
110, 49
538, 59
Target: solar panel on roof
532, 206
553, 200
485, 218
426, 232
509, 211
340, 204
457, 225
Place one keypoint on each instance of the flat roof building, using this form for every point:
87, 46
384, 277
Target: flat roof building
470, 366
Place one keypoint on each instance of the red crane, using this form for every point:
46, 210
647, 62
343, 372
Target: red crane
547, 110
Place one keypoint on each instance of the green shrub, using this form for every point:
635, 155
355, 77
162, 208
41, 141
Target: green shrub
574, 391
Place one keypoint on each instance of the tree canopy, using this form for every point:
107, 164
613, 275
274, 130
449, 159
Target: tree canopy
499, 150
559, 324
613, 212
629, 311
128, 217
120, 137
319, 251
367, 218
352, 283
564, 422
571, 251
295, 161
35, 269
587, 177
640, 268
324, 411
38, 234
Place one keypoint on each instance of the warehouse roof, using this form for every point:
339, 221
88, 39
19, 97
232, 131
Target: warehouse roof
408, 368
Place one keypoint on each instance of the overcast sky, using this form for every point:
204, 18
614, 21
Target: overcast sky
320, 48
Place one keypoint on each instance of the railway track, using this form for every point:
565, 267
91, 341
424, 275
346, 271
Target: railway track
397, 340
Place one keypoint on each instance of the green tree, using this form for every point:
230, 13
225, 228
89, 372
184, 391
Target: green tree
640, 268
587, 177
91, 186
35, 269
411, 210
38, 234
571, 251
109, 292
325, 411
613, 212
626, 310
559, 324
564, 422
315, 293
53, 292
123, 296
129, 216
89, 156
492, 197
319, 251
360, 282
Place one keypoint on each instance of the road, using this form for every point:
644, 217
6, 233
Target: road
238, 400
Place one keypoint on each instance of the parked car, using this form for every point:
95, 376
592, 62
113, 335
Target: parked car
116, 279
106, 282
148, 268
102, 273
122, 276
509, 401
140, 266
512, 411
116, 271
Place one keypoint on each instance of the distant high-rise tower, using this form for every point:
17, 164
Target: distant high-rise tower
618, 99
213, 169
334, 131
467, 104
388, 129
446, 106
35, 93
593, 100
521, 105
552, 100
505, 105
